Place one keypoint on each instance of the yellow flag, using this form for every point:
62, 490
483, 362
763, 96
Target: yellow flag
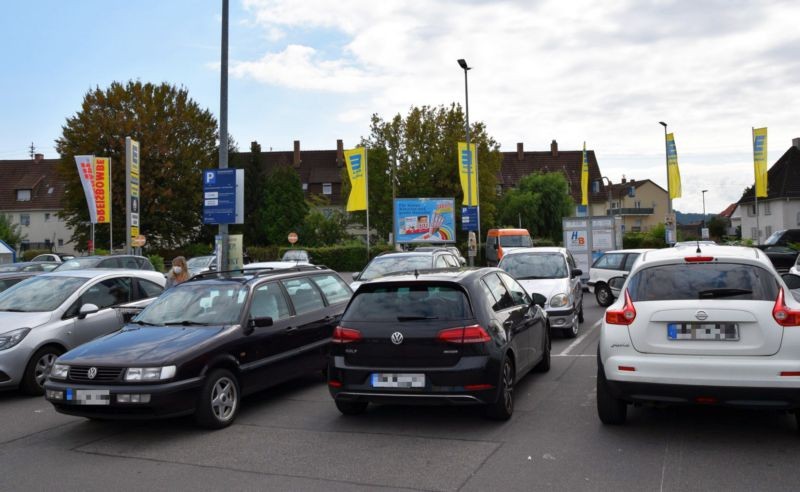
356, 160
673, 173
760, 160
585, 177
468, 170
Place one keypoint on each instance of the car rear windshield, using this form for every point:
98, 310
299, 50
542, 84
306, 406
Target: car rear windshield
391, 264
535, 265
733, 281
408, 302
515, 241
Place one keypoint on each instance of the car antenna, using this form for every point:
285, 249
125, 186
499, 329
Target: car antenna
416, 273
698, 247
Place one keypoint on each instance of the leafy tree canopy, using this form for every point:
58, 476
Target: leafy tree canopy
539, 203
9, 232
178, 140
283, 207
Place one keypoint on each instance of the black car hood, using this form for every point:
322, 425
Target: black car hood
145, 345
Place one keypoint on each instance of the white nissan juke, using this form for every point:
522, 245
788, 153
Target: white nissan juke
714, 325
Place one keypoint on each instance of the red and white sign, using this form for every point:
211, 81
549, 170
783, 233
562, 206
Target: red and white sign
292, 237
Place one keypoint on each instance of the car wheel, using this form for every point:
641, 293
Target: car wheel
37, 370
572, 331
612, 411
580, 313
503, 408
351, 407
603, 295
219, 400
544, 364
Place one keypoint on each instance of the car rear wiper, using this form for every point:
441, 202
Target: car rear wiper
712, 293
186, 322
415, 318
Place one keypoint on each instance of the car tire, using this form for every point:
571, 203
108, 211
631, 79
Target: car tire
503, 408
571, 332
544, 364
603, 295
37, 370
219, 400
611, 410
351, 407
580, 313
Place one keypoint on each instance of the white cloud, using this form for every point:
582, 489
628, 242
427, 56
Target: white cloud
604, 72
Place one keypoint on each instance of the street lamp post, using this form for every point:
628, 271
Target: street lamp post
704, 207
669, 192
472, 162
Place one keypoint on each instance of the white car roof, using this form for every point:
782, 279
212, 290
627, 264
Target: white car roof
540, 249
634, 250
157, 277
736, 253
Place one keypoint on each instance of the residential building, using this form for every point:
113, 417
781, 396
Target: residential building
780, 209
30, 195
640, 205
734, 220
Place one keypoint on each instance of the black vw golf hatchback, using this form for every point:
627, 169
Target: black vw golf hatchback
450, 337
202, 345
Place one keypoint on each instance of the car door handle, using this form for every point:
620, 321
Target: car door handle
290, 328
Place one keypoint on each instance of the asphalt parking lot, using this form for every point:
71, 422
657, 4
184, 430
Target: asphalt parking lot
293, 438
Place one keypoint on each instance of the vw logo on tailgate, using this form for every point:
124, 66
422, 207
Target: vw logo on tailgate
701, 315
397, 338
91, 373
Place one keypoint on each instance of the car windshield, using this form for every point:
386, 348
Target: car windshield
78, 263
400, 303
295, 256
390, 264
191, 304
535, 265
39, 294
199, 262
724, 281
773, 239
515, 241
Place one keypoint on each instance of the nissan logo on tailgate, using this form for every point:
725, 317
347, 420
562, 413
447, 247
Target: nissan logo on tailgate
397, 338
701, 315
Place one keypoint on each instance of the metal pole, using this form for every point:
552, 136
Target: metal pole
366, 185
669, 192
394, 196
755, 194
222, 259
704, 207
471, 163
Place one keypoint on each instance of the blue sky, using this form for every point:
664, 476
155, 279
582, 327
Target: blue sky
603, 72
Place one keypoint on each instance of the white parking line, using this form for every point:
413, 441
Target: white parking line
580, 339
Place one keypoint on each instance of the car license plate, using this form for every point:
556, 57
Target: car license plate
89, 397
728, 332
398, 380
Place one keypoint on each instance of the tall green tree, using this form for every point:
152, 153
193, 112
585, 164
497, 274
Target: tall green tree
539, 202
178, 140
254, 181
423, 146
283, 207
9, 232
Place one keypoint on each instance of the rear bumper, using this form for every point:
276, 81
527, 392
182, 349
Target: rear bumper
443, 385
677, 394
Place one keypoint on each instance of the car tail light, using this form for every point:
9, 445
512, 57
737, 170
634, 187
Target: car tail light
790, 373
345, 335
698, 259
624, 316
478, 387
334, 383
469, 334
783, 314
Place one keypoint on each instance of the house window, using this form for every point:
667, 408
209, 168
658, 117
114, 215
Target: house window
637, 204
25, 219
46, 217
61, 242
305, 186
768, 231
751, 210
767, 211
754, 233
23, 195
327, 189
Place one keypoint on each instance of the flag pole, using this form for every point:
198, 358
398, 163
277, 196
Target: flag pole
366, 186
755, 188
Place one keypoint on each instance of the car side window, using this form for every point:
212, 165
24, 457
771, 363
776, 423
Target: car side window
148, 289
629, 260
268, 300
440, 262
305, 297
110, 263
109, 292
130, 262
518, 294
499, 292
334, 288
611, 261
571, 261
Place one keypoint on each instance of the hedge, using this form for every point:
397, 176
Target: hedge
33, 253
346, 258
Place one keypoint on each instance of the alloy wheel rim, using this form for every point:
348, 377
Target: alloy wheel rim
508, 387
223, 399
43, 366
603, 295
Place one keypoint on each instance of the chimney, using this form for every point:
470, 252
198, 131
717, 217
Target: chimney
339, 153
623, 179
296, 160
796, 142
38, 157
520, 152
554, 148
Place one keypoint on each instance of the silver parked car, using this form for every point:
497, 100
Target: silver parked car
46, 315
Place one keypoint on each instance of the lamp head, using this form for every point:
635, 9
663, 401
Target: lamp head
662, 124
463, 64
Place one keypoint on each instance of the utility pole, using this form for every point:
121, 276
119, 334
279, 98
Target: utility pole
222, 258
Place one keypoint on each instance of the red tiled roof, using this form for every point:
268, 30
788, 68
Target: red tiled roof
728, 212
47, 188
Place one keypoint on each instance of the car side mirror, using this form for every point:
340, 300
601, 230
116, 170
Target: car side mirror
258, 322
576, 272
615, 284
792, 281
539, 299
356, 275
87, 309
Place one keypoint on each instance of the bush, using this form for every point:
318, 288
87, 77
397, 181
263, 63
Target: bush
348, 258
158, 262
262, 253
32, 253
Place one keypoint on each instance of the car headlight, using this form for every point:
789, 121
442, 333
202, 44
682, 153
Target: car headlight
11, 338
149, 373
559, 300
59, 371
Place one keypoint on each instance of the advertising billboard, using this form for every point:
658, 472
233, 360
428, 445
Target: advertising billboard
425, 220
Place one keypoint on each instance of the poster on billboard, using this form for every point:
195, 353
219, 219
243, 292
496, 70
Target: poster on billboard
428, 220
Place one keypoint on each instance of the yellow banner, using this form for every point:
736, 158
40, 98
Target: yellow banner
468, 170
673, 173
585, 177
760, 161
102, 188
356, 160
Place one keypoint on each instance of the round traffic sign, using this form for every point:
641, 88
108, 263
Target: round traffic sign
292, 237
139, 241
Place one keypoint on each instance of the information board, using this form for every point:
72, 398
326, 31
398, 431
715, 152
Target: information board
429, 220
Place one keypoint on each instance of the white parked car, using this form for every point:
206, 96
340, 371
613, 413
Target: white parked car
718, 327
610, 264
550, 272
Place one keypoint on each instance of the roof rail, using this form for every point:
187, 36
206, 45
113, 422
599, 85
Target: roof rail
255, 272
